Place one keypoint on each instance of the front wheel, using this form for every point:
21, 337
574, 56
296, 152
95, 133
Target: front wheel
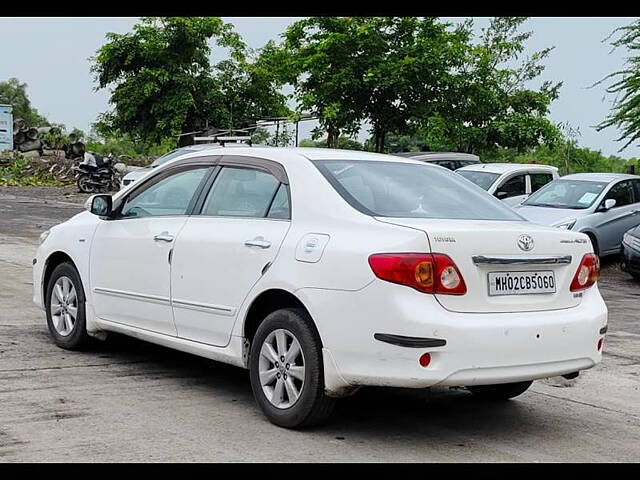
64, 304
503, 391
286, 370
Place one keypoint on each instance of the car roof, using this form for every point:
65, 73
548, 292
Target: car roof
284, 155
501, 168
600, 177
435, 156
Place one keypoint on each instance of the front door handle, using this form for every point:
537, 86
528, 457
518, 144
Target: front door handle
259, 242
163, 237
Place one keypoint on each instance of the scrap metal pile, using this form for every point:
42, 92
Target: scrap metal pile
45, 141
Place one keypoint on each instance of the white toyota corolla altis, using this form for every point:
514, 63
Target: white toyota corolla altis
325, 270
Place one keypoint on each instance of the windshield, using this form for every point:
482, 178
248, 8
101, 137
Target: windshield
406, 190
483, 179
168, 156
574, 194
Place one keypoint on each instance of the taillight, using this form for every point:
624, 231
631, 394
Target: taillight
426, 272
587, 274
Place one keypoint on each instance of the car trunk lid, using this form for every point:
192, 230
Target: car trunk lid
481, 247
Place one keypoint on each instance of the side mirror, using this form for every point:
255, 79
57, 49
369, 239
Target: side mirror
99, 205
501, 195
608, 204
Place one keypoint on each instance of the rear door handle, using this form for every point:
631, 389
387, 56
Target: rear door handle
259, 242
163, 237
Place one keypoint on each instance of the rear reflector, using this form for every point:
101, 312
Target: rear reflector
587, 274
426, 272
600, 343
425, 360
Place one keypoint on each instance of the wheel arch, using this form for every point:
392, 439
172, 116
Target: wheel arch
594, 240
269, 301
53, 260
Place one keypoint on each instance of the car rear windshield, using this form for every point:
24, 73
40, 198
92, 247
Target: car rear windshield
574, 194
408, 190
483, 179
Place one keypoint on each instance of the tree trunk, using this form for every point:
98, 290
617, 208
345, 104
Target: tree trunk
332, 137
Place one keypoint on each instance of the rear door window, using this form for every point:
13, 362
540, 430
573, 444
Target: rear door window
539, 180
241, 192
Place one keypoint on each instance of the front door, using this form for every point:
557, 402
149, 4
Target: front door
624, 215
130, 272
221, 253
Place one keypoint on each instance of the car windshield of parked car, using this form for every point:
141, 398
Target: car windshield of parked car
573, 194
483, 179
407, 190
169, 156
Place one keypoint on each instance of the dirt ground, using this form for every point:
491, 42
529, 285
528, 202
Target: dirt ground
126, 400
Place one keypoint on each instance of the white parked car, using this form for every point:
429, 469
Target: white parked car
140, 172
510, 182
322, 271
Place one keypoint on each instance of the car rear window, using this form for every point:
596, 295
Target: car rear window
408, 190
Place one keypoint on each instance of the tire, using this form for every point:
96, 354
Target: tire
75, 337
594, 242
84, 184
503, 391
312, 406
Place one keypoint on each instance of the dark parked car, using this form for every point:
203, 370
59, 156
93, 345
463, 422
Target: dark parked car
450, 160
630, 252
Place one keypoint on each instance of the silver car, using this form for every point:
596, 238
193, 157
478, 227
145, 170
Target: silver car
602, 205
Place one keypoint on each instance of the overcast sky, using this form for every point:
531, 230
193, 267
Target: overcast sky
52, 56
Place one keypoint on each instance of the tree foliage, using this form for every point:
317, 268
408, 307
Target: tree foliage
491, 105
625, 113
14, 93
163, 83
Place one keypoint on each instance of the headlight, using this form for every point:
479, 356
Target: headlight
566, 225
44, 235
628, 238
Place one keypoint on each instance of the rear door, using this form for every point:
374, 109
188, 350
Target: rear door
224, 250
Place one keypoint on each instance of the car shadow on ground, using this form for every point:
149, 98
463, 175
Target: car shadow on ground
376, 410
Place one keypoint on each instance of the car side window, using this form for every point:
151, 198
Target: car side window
450, 164
169, 196
539, 180
513, 187
622, 193
636, 187
280, 205
241, 192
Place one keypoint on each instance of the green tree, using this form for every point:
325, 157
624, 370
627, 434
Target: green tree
325, 63
12, 92
625, 113
163, 83
492, 105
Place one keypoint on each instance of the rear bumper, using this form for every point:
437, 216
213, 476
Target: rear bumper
480, 349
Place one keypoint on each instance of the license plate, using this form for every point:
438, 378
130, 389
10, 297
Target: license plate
521, 283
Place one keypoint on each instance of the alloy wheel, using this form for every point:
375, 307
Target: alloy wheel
281, 368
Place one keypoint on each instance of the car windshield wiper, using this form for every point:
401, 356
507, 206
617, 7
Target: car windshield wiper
550, 205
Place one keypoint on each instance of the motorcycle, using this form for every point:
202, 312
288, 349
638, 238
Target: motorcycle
95, 174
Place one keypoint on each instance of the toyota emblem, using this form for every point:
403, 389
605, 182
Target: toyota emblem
525, 242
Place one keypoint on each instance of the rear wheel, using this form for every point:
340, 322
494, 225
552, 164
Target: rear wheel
85, 185
503, 391
286, 370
